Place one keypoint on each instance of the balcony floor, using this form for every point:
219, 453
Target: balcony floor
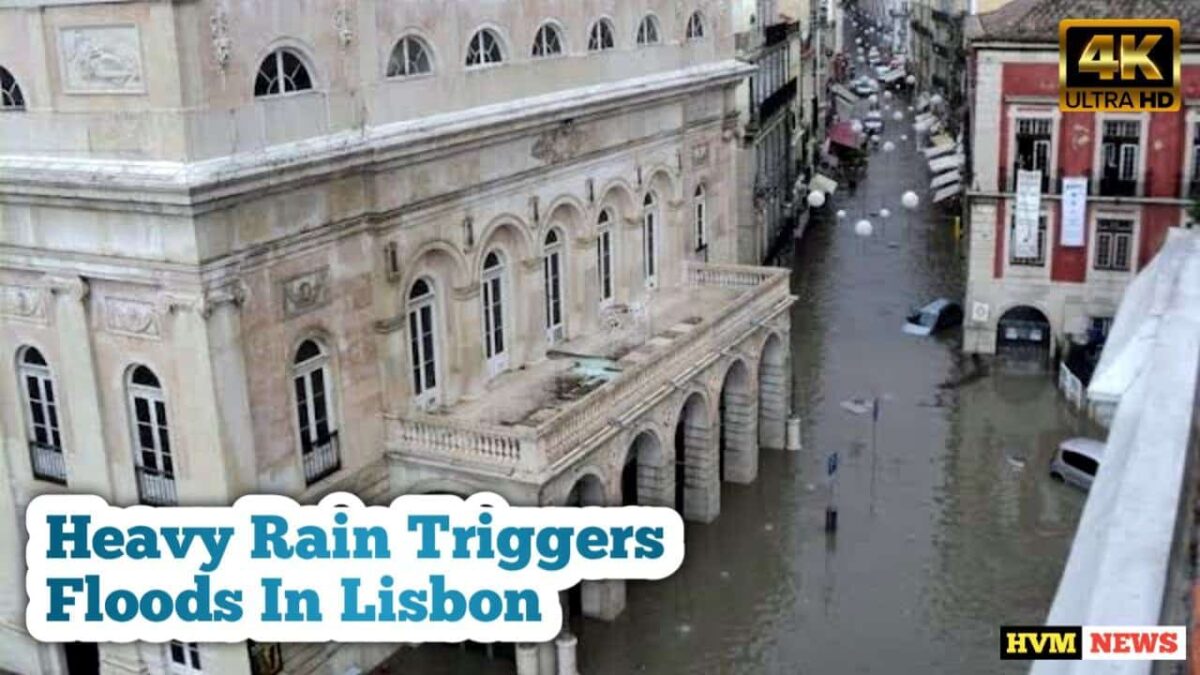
575, 367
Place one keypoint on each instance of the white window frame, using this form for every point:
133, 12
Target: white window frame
189, 652
153, 396
700, 217
647, 24
1143, 120
484, 60
1019, 112
50, 405
424, 394
1191, 167
554, 288
651, 236
404, 45
595, 38
12, 98
494, 281
541, 40
1134, 235
1030, 270
277, 54
606, 253
304, 372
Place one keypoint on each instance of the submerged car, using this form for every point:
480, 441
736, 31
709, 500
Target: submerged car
1076, 461
864, 86
935, 316
873, 122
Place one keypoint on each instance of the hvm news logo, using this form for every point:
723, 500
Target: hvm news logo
1119, 65
1101, 643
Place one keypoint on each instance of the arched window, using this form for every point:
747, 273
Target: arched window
41, 416
494, 344
10, 92
409, 57
422, 341
604, 255
552, 276
650, 239
282, 72
314, 411
648, 32
548, 41
700, 218
153, 461
602, 36
695, 26
484, 48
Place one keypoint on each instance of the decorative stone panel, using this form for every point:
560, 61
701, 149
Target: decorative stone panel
131, 317
100, 59
305, 292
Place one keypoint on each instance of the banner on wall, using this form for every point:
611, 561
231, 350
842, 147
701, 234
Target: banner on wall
1074, 210
1027, 213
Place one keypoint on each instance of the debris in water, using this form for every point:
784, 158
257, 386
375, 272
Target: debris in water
1015, 461
685, 628
769, 527
724, 574
809, 487
858, 406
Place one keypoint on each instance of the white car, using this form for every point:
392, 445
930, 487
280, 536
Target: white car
873, 123
1076, 461
864, 86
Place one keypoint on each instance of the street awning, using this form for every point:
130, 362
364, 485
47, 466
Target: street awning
844, 135
947, 192
844, 94
947, 163
940, 148
943, 179
823, 183
891, 76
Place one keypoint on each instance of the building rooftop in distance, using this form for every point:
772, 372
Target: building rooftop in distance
1037, 20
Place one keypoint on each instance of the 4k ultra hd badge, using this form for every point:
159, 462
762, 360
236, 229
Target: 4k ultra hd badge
1119, 65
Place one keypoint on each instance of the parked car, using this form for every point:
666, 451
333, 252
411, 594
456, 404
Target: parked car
864, 86
937, 315
873, 122
1076, 461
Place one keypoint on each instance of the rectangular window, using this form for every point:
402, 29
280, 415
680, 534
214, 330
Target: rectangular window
1193, 189
1120, 151
604, 265
1033, 148
185, 657
1114, 244
1035, 261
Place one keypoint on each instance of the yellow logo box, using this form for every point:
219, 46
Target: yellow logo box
1119, 65
1041, 642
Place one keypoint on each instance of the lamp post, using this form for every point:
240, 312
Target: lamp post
910, 201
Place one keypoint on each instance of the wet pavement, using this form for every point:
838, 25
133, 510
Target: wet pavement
948, 523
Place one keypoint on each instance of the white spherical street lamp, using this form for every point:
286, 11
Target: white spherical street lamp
904, 137
816, 199
889, 146
884, 213
857, 126
910, 200
897, 115
911, 80
887, 95
863, 228
841, 214
936, 99
873, 99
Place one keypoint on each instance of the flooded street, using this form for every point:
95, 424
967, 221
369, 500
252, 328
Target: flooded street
948, 529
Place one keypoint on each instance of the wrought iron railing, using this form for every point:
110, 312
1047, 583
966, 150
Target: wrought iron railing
323, 459
48, 462
156, 488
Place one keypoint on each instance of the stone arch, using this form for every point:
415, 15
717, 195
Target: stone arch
507, 233
440, 260
773, 387
568, 213
696, 485
738, 439
643, 472
587, 490
664, 181
618, 195
1024, 336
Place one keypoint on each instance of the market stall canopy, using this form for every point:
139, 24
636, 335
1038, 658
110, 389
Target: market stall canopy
844, 135
942, 145
947, 192
823, 183
947, 163
945, 179
844, 94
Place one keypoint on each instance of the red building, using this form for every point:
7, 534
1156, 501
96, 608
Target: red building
1142, 171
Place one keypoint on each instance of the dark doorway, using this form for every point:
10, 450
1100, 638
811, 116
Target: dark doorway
629, 474
1023, 339
83, 658
680, 462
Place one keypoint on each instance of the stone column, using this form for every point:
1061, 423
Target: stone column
603, 600
223, 310
564, 647
702, 487
463, 339
629, 273
739, 429
528, 309
87, 461
527, 659
583, 290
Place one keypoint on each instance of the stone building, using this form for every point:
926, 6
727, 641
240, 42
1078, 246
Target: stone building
1142, 171
297, 246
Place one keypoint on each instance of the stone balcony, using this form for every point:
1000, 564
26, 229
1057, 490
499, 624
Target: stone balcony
529, 424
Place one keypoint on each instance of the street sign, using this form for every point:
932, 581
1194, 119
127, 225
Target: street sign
831, 464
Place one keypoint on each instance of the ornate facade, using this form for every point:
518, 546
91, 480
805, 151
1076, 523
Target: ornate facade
380, 247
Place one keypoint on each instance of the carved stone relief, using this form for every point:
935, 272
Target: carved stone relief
222, 45
22, 302
305, 292
101, 59
131, 317
561, 143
